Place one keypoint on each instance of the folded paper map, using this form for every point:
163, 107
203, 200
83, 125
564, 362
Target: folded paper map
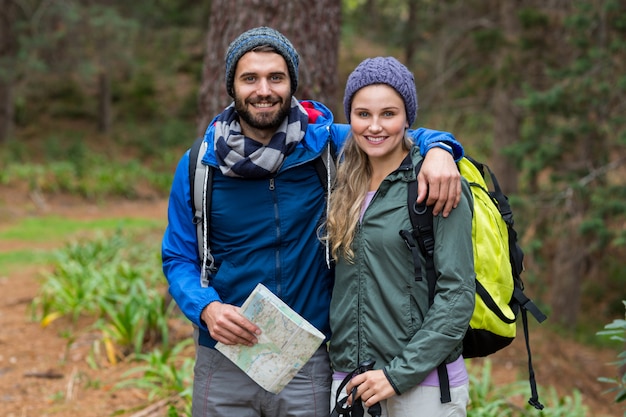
286, 343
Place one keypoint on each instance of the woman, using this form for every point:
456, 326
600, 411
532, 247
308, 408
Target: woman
379, 310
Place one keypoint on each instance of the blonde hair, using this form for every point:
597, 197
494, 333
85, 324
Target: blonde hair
352, 183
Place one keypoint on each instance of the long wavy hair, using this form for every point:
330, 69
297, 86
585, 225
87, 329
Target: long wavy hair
352, 184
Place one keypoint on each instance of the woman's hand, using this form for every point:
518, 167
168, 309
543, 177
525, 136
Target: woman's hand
372, 387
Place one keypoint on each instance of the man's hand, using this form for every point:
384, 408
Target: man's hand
439, 178
228, 326
373, 387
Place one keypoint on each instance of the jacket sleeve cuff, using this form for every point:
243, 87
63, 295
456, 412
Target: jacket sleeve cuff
449, 144
391, 382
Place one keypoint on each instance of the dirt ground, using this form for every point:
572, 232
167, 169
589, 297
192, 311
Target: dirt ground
41, 374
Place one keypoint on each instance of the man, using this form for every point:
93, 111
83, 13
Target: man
267, 205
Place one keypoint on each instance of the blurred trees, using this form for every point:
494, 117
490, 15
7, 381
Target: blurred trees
8, 57
539, 89
83, 50
312, 27
573, 153
536, 88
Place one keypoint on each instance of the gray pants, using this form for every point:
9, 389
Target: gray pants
221, 389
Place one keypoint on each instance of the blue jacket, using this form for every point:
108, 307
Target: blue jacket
261, 230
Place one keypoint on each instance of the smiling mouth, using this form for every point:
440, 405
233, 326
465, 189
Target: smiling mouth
375, 139
263, 105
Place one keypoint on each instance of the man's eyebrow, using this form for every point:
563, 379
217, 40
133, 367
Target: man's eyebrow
248, 73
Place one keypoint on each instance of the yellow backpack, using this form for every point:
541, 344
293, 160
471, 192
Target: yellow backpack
498, 263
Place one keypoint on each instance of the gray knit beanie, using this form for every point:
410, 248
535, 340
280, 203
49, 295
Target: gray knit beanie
257, 37
383, 70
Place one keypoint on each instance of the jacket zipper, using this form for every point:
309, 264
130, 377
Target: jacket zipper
358, 307
272, 188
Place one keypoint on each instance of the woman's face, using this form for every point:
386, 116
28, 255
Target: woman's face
378, 121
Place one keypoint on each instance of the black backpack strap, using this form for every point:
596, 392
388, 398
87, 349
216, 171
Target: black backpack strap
534, 399
423, 237
200, 187
407, 236
526, 305
423, 233
491, 303
194, 154
444, 383
424, 243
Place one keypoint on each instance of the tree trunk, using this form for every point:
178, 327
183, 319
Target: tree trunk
507, 119
104, 102
312, 27
506, 133
8, 54
568, 271
411, 31
6, 110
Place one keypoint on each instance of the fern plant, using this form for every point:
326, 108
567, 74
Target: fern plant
616, 330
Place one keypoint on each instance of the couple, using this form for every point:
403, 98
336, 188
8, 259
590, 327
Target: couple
268, 207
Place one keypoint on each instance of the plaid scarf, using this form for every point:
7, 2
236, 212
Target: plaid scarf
240, 156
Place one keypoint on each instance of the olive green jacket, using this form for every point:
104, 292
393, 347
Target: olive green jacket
380, 311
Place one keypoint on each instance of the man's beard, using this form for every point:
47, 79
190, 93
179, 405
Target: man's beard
263, 121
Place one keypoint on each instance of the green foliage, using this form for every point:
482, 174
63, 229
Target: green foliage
488, 39
165, 373
156, 14
532, 18
15, 260
45, 229
113, 280
485, 398
91, 176
40, 230
571, 154
134, 315
79, 278
116, 279
139, 100
616, 331
489, 400
556, 406
162, 143
62, 97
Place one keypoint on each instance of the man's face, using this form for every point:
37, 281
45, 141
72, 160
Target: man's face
262, 92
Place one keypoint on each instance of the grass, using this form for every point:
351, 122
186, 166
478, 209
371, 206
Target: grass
56, 230
16, 258
45, 229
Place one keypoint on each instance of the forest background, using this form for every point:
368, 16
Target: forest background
98, 99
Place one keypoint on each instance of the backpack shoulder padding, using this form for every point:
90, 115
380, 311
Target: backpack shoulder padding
200, 187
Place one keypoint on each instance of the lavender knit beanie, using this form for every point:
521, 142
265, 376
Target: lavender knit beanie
383, 70
256, 37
